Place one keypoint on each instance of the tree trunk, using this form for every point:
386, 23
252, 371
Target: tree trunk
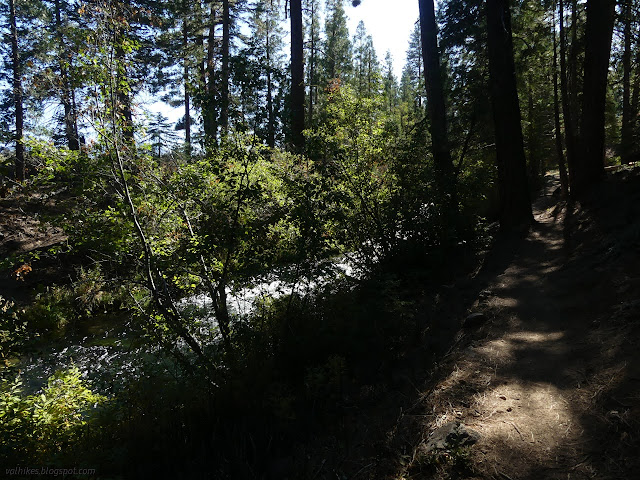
626, 143
122, 78
599, 29
567, 111
185, 80
635, 102
224, 87
271, 124
564, 180
70, 121
207, 70
436, 105
17, 93
535, 164
573, 81
297, 76
420, 61
515, 208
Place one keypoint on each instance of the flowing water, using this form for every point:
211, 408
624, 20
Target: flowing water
112, 357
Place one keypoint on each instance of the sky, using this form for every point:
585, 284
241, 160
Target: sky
390, 23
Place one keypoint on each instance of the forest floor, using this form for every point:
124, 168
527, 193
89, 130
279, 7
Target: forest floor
547, 384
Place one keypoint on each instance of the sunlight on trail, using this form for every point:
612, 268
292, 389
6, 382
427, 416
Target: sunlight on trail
505, 349
524, 420
535, 336
511, 390
527, 423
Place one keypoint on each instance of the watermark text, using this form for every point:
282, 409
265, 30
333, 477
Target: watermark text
49, 471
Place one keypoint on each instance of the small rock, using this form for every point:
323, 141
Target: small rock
451, 435
474, 320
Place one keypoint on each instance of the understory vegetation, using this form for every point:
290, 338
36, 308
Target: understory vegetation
163, 250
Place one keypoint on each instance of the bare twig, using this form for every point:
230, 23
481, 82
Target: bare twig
516, 427
319, 469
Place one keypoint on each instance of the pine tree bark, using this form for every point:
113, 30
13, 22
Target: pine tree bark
574, 81
224, 82
567, 111
535, 172
598, 33
564, 179
17, 94
436, 104
626, 141
70, 116
635, 103
515, 208
297, 76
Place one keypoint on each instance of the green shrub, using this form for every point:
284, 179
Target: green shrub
59, 307
49, 424
51, 311
13, 330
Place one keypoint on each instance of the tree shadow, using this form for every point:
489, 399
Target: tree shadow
559, 346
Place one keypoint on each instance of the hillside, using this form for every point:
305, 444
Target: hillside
542, 382
547, 383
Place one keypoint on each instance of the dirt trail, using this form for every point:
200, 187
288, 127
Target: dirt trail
528, 366
551, 380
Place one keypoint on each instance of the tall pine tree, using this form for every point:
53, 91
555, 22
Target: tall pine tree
337, 48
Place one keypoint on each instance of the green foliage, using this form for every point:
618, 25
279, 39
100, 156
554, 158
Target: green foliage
228, 209
42, 427
457, 459
93, 219
56, 166
351, 153
51, 311
59, 307
13, 330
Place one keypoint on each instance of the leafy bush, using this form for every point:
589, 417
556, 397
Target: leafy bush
13, 330
43, 427
56, 166
59, 307
51, 311
352, 153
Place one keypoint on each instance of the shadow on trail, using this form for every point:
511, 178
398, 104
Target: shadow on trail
552, 381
